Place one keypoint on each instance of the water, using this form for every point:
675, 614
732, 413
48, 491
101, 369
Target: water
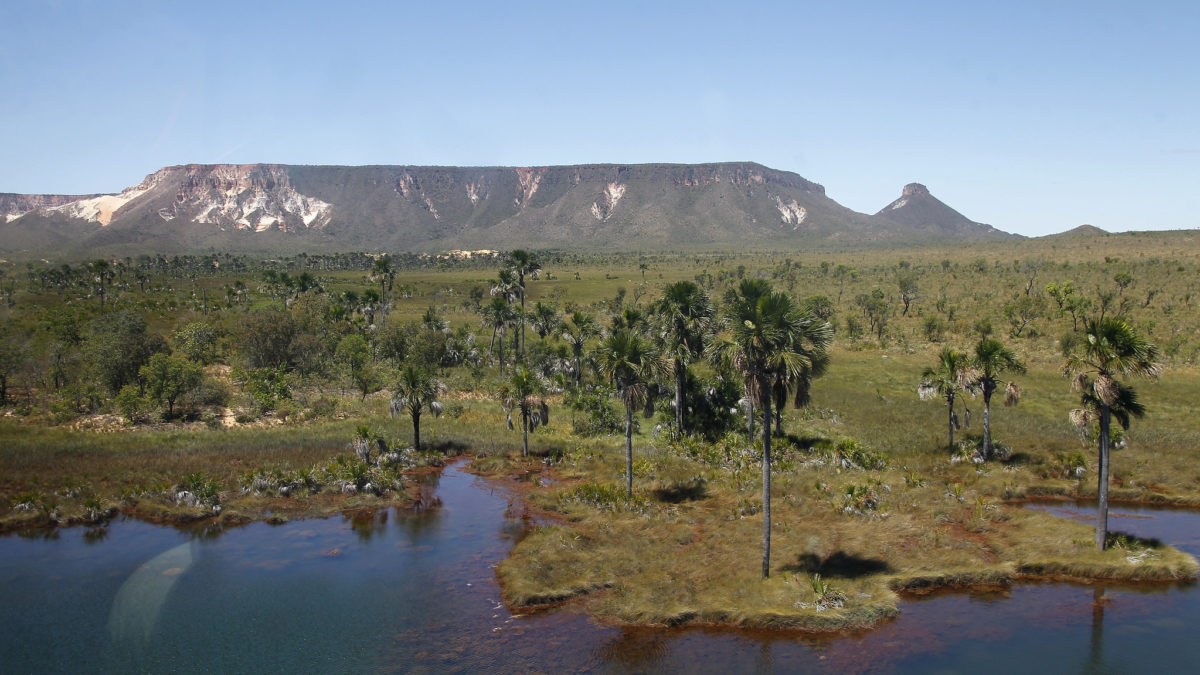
405, 591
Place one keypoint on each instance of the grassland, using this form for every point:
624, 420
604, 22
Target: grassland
848, 540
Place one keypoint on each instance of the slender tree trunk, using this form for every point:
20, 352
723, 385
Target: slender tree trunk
680, 381
1102, 488
987, 423
522, 317
766, 464
524, 432
578, 367
950, 420
750, 420
416, 430
629, 448
779, 421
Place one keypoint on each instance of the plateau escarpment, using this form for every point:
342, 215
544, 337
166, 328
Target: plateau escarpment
271, 206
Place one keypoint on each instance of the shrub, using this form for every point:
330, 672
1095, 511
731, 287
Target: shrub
133, 406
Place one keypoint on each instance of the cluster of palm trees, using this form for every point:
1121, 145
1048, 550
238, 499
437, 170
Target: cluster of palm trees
762, 337
979, 372
1104, 349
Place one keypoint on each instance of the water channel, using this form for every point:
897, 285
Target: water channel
414, 591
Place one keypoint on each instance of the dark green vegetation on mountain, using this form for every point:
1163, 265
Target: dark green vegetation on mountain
302, 358
280, 208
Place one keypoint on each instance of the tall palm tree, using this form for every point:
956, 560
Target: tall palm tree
631, 362
813, 341
416, 389
523, 391
498, 315
947, 379
385, 273
764, 330
523, 262
1111, 348
992, 359
577, 331
684, 319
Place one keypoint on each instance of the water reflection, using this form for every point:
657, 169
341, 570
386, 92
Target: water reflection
393, 590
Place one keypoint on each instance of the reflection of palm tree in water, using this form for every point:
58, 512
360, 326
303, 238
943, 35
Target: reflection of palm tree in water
1095, 660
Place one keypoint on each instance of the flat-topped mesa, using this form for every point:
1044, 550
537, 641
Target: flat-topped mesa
394, 207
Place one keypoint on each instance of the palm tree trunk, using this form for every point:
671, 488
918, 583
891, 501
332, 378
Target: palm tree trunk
578, 367
987, 424
680, 379
524, 432
750, 420
629, 448
416, 430
1102, 488
522, 317
950, 420
766, 464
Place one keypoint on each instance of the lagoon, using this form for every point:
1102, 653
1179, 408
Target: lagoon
414, 590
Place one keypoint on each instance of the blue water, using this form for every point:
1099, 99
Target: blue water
405, 591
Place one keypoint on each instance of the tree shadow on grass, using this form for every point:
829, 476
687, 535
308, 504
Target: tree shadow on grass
839, 564
682, 492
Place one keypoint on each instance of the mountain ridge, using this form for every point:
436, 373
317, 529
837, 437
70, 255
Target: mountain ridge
322, 207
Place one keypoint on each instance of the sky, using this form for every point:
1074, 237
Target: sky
1034, 117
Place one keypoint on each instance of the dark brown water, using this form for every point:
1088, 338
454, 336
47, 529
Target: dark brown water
401, 591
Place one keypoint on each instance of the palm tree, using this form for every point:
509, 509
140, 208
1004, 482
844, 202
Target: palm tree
383, 271
577, 331
1112, 347
416, 389
947, 380
631, 362
765, 330
993, 358
813, 341
523, 390
523, 262
545, 319
684, 320
499, 315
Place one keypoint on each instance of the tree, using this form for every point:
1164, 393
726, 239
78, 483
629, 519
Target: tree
947, 379
684, 318
765, 329
992, 358
12, 355
102, 275
577, 331
812, 340
906, 280
416, 390
116, 346
266, 337
384, 272
545, 319
197, 341
1023, 311
876, 310
523, 391
1110, 348
499, 315
168, 377
631, 362
523, 262
354, 352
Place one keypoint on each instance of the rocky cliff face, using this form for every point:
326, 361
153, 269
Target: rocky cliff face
267, 206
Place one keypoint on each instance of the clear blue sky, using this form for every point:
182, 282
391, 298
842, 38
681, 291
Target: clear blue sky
1034, 117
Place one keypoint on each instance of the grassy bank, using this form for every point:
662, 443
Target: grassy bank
847, 542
